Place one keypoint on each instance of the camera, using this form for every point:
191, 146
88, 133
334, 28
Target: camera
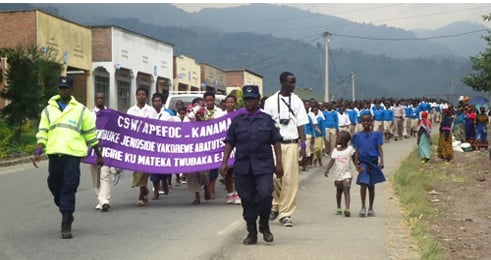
284, 121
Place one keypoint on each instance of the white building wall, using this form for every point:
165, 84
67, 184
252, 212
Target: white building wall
141, 54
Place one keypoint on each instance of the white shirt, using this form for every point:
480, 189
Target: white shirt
343, 162
147, 111
280, 111
343, 119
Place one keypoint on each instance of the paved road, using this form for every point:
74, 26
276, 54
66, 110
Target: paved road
172, 228
319, 233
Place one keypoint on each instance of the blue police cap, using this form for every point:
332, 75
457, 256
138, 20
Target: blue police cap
250, 91
66, 82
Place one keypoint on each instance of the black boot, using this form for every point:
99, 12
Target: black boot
251, 236
264, 228
66, 225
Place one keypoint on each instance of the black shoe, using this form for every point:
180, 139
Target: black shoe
251, 239
264, 229
105, 207
267, 235
273, 215
66, 226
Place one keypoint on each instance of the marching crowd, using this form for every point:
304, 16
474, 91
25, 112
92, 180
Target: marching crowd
275, 138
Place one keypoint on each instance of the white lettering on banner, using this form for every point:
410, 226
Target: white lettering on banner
212, 129
129, 123
208, 145
175, 148
129, 158
107, 136
218, 157
154, 161
108, 152
193, 161
159, 130
137, 143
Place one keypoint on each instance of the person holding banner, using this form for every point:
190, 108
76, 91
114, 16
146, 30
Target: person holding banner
232, 196
142, 109
252, 133
212, 112
158, 179
196, 180
101, 180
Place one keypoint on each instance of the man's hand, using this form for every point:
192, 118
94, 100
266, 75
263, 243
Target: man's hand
223, 170
35, 161
279, 170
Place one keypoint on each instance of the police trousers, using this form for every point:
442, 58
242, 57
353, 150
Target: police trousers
256, 194
63, 180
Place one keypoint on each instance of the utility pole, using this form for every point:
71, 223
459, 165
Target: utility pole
326, 83
353, 85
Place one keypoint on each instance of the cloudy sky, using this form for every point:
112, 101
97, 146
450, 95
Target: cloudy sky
403, 15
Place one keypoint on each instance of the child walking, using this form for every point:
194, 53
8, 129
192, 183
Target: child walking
369, 159
424, 138
343, 157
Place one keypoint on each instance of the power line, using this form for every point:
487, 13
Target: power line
334, 64
280, 55
409, 39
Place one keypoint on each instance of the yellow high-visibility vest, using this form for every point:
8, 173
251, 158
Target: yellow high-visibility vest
68, 131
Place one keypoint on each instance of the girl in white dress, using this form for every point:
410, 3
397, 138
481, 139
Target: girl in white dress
343, 157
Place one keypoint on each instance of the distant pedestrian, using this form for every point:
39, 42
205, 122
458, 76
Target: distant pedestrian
482, 121
65, 128
369, 155
343, 157
252, 133
445, 149
424, 138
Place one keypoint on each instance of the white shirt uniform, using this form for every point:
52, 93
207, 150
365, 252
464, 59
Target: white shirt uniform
276, 106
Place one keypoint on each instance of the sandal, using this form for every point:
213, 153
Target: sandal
140, 203
195, 202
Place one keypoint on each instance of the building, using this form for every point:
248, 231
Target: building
213, 79
187, 74
70, 43
237, 78
124, 61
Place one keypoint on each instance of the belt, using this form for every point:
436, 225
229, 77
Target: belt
344, 126
292, 141
398, 116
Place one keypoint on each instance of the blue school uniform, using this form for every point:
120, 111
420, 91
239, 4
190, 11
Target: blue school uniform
367, 145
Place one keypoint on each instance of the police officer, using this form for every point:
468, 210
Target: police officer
65, 128
252, 133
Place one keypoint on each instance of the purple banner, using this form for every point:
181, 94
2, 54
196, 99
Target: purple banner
154, 146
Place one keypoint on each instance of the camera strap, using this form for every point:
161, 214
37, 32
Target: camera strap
287, 104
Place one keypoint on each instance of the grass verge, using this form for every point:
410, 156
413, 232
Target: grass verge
411, 186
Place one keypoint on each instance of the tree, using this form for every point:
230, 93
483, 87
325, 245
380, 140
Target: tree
31, 80
481, 64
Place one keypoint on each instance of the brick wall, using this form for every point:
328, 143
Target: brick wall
235, 79
101, 44
17, 28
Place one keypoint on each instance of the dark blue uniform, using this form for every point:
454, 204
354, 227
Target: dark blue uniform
253, 137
